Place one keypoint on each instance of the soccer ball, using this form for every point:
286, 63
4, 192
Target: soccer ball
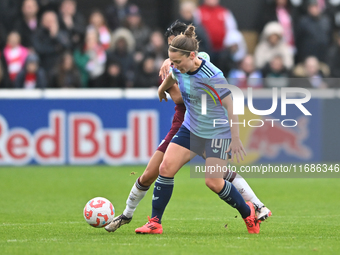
99, 212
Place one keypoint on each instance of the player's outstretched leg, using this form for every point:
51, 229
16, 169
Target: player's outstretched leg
261, 211
138, 191
231, 196
117, 222
161, 196
253, 225
175, 157
151, 227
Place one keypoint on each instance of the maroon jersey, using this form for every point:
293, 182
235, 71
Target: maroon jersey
176, 124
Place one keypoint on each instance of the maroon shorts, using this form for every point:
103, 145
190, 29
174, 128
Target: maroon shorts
176, 124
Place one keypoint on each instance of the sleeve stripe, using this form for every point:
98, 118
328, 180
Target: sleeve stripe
206, 67
207, 71
226, 94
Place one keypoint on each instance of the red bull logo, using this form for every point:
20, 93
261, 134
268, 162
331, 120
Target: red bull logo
80, 138
269, 140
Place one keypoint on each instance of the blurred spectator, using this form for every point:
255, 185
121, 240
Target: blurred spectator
236, 50
65, 74
186, 11
4, 81
322, 4
157, 48
313, 33
218, 23
15, 55
31, 76
50, 41
3, 37
141, 32
72, 21
236, 45
48, 5
114, 75
116, 13
333, 59
275, 73
283, 12
246, 75
27, 23
272, 44
299, 7
9, 10
148, 73
313, 73
97, 20
81, 59
122, 48
97, 59
333, 11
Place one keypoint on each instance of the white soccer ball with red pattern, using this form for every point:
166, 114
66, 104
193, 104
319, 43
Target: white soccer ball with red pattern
99, 212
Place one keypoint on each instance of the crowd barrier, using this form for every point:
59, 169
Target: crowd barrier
115, 127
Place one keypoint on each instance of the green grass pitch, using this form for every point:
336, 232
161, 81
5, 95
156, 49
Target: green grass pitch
41, 213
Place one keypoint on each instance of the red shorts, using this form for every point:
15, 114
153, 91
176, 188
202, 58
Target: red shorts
176, 124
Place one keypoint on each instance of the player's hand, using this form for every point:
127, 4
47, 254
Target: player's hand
54, 29
162, 95
236, 149
68, 20
165, 68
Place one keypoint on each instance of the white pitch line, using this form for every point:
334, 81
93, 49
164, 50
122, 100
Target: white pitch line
15, 240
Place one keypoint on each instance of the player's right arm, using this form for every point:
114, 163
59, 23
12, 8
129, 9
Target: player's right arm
236, 147
166, 85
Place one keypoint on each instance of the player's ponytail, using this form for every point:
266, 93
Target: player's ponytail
185, 42
190, 32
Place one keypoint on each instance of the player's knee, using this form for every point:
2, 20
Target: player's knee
164, 168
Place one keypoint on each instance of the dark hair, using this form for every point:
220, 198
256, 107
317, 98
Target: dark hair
185, 42
97, 11
175, 29
61, 74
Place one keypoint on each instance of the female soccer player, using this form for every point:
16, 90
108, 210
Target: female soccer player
151, 172
197, 135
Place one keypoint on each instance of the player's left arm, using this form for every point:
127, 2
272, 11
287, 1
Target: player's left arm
236, 147
175, 94
165, 68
